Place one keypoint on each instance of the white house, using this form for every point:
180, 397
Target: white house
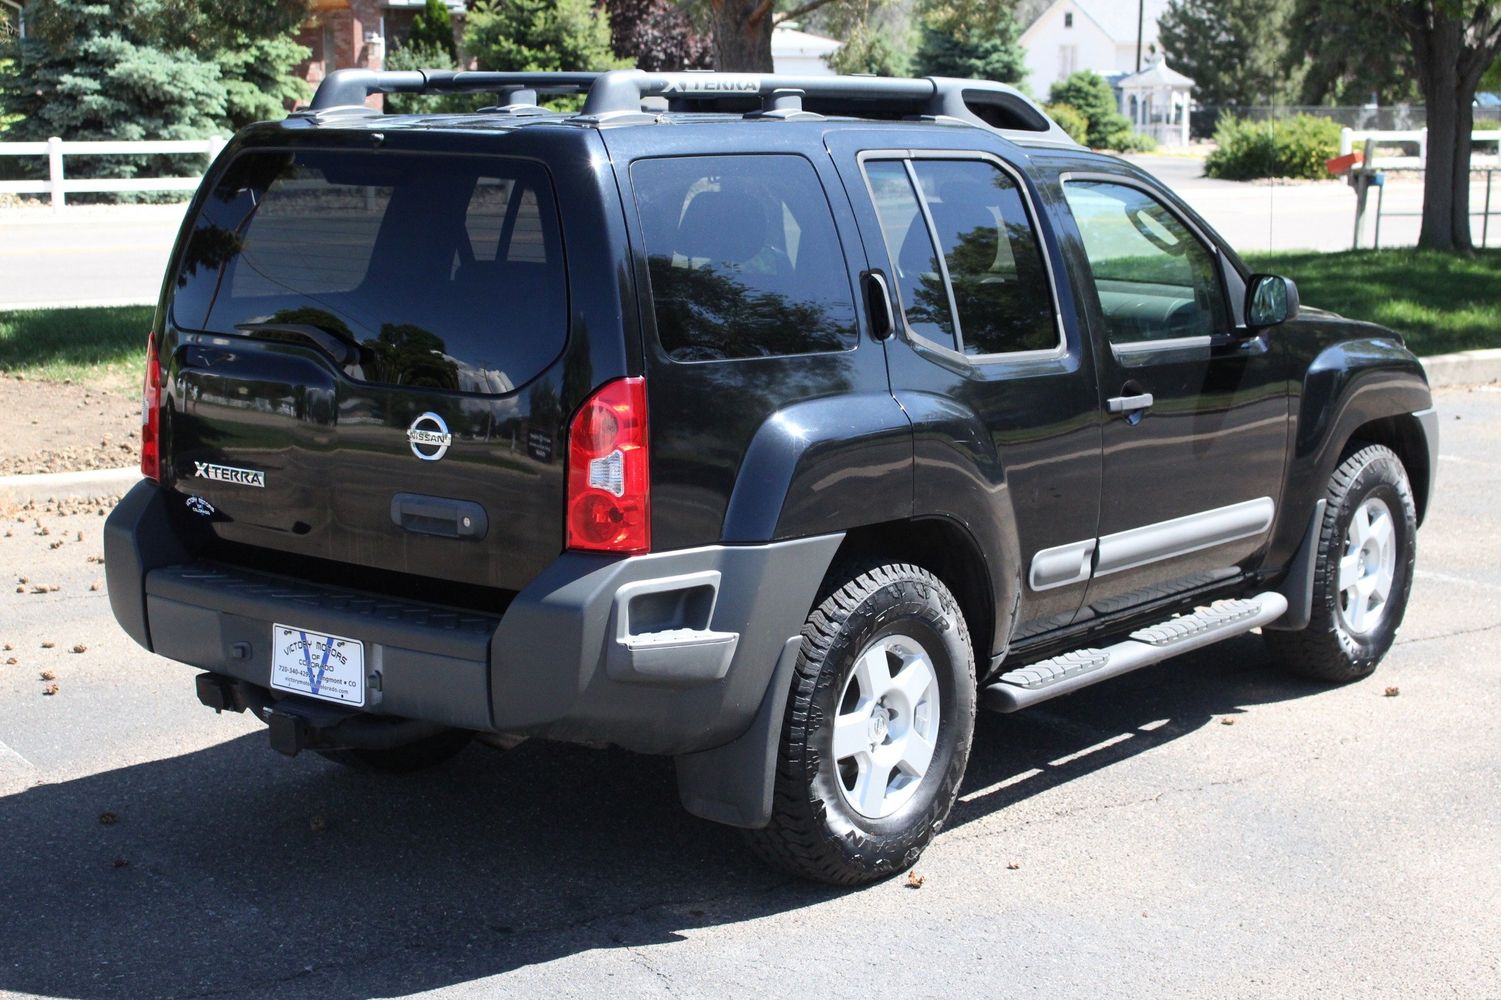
1101, 35
800, 53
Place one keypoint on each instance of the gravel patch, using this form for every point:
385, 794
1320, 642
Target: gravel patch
66, 427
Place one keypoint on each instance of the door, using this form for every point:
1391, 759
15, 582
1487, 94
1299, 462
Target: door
987, 359
1195, 436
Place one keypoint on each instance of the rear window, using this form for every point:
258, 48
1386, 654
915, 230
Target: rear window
744, 258
446, 272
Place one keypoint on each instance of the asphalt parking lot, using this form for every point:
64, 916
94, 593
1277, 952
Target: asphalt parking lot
1202, 828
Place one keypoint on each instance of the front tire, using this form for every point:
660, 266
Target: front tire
1367, 550
877, 731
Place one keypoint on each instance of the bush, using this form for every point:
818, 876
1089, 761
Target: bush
1089, 95
1294, 147
1071, 120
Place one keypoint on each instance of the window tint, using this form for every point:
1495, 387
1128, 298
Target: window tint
910, 245
743, 257
1154, 278
444, 272
995, 265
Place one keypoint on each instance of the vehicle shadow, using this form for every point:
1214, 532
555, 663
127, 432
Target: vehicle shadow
233, 870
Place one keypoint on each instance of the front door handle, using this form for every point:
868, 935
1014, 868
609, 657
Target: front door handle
1129, 404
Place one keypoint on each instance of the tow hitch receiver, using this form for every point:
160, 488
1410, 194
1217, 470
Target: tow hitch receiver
298, 724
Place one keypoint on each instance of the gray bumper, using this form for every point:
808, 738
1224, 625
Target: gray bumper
669, 653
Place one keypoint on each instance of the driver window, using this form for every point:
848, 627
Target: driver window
1155, 280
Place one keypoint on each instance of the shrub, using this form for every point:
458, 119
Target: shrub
1071, 120
1089, 94
1294, 147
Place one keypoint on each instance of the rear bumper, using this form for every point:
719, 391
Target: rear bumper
670, 652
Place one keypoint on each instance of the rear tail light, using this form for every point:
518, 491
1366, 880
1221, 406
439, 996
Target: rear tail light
151, 413
609, 490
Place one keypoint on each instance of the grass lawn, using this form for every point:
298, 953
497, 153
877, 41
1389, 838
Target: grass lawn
99, 345
1440, 302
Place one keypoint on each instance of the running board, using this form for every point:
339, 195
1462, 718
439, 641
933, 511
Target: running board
1036, 682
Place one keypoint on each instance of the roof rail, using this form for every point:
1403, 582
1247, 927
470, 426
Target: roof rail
617, 95
350, 87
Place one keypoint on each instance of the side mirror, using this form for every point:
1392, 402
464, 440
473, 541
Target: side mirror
1270, 299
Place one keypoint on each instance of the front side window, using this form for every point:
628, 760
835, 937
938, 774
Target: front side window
743, 257
1155, 279
972, 228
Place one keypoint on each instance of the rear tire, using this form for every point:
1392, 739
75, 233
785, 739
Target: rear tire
877, 732
430, 751
1367, 549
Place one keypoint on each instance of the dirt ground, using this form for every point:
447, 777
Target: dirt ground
61, 427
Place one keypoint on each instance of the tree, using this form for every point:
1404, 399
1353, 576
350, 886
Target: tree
1233, 49
1453, 43
1088, 94
877, 36
539, 36
971, 39
150, 69
1345, 52
657, 35
433, 30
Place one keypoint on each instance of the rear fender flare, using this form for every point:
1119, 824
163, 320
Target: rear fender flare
823, 465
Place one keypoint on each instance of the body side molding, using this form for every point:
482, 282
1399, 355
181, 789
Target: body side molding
1178, 537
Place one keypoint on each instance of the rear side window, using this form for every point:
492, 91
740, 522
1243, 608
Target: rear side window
743, 257
964, 221
443, 272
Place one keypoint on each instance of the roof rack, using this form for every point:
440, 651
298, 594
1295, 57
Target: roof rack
616, 96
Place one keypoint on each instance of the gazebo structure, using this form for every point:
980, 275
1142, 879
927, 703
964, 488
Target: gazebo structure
1157, 101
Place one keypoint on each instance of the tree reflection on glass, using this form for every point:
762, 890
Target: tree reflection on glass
711, 313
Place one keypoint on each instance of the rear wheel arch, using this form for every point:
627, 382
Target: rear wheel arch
944, 548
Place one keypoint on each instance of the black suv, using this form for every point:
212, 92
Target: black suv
770, 423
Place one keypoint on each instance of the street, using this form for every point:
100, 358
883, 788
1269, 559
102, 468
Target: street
1204, 827
114, 255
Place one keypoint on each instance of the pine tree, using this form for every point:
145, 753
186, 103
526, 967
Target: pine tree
432, 30
1233, 49
968, 39
539, 36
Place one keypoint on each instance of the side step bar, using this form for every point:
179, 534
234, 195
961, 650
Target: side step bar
1036, 682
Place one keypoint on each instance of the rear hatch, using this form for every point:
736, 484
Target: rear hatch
366, 350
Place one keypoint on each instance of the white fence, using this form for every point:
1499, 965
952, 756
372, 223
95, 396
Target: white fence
59, 186
1415, 139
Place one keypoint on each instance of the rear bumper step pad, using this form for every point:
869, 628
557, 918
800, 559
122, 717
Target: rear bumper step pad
1036, 682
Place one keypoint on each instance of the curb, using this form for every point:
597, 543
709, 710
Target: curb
41, 487
1444, 371
1463, 368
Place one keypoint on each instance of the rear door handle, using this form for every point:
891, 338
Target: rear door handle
1129, 404
439, 516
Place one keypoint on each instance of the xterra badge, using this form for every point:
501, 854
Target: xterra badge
429, 437
229, 474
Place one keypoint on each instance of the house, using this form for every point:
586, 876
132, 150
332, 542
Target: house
357, 33
801, 53
1102, 35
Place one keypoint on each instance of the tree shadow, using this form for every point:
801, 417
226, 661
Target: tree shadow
232, 869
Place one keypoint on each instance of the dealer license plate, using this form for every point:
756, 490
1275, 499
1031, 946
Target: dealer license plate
330, 667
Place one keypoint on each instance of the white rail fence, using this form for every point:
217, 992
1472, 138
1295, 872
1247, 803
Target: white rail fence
59, 186
1416, 140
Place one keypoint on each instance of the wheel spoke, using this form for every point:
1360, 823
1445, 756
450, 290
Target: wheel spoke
1355, 613
873, 673
916, 754
1349, 571
1381, 531
870, 786
914, 679
1360, 526
851, 733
